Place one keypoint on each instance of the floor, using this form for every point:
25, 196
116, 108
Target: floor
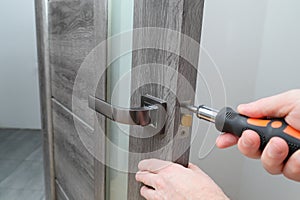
21, 165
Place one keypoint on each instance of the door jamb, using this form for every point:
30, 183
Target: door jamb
45, 96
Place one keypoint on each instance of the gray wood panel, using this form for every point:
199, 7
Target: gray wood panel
183, 16
74, 165
60, 193
191, 27
71, 38
150, 13
76, 28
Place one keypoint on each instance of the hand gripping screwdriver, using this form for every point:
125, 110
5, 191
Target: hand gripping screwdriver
229, 121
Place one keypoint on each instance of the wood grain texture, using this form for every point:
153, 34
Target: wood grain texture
191, 27
183, 16
74, 165
154, 14
71, 39
76, 28
150, 13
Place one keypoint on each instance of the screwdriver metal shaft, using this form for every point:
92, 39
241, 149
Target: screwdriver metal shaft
203, 112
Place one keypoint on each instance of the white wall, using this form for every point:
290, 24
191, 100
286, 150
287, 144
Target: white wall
19, 96
278, 71
232, 34
255, 46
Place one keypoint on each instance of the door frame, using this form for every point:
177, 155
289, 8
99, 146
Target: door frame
41, 7
190, 23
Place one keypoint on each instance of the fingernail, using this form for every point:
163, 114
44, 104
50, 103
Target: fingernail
137, 176
273, 151
241, 106
247, 142
218, 138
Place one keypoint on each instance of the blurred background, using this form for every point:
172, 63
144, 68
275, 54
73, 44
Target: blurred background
21, 165
256, 46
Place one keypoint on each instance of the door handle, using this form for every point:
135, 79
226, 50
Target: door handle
152, 111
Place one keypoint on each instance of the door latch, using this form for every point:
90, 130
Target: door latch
152, 111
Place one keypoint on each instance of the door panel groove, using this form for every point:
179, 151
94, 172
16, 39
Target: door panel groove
74, 164
73, 115
60, 195
75, 29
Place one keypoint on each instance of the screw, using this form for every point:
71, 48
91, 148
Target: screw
182, 132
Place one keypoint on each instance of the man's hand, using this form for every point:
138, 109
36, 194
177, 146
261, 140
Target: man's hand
166, 180
285, 105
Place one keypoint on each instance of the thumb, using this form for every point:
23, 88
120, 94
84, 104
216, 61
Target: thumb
275, 106
285, 105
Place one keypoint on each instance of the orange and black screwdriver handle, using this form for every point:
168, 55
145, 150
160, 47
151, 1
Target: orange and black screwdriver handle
229, 121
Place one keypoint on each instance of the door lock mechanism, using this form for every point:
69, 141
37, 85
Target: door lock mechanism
152, 111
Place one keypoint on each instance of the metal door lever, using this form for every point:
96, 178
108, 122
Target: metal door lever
151, 107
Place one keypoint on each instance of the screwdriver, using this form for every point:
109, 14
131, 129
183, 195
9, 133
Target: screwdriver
229, 121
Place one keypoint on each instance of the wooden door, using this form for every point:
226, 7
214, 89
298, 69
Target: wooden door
75, 55
67, 33
165, 67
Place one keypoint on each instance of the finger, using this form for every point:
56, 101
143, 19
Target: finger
153, 165
148, 193
226, 140
192, 166
292, 167
249, 144
275, 106
195, 168
293, 117
147, 178
274, 155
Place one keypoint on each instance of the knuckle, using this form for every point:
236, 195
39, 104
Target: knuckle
272, 168
142, 191
137, 176
249, 154
294, 92
292, 167
171, 168
273, 171
174, 166
268, 168
159, 183
293, 175
293, 171
247, 151
156, 197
